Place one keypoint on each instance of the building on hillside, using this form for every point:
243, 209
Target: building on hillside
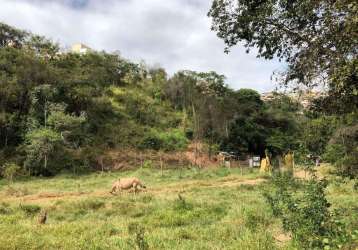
268, 96
80, 48
305, 98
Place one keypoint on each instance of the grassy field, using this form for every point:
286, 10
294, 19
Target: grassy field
189, 209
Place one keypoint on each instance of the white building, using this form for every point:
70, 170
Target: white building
80, 48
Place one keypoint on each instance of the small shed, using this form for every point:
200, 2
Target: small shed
256, 161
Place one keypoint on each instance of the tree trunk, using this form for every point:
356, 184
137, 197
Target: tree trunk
45, 113
161, 164
45, 162
6, 137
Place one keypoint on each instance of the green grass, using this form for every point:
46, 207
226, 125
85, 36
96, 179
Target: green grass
214, 211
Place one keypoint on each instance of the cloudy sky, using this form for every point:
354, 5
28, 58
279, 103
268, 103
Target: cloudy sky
174, 34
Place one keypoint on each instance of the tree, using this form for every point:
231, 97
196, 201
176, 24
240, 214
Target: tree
40, 147
10, 170
317, 39
342, 151
10, 36
317, 132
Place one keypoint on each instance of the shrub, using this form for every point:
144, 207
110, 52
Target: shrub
18, 192
342, 151
138, 231
148, 164
90, 204
5, 208
181, 205
151, 141
10, 170
29, 209
172, 140
304, 211
255, 219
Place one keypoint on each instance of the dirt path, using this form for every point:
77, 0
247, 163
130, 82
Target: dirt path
171, 188
205, 185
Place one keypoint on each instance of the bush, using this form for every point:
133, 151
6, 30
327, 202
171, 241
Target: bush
90, 204
5, 208
30, 209
10, 170
151, 141
172, 140
181, 205
255, 219
138, 231
342, 151
304, 211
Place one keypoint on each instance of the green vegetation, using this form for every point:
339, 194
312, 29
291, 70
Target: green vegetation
317, 40
61, 114
304, 210
206, 209
65, 111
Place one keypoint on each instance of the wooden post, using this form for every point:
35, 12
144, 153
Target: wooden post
141, 160
180, 165
161, 164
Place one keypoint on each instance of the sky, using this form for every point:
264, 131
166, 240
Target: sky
174, 34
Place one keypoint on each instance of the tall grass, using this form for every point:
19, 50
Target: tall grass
180, 210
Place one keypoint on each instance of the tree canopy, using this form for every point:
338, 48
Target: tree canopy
61, 111
317, 39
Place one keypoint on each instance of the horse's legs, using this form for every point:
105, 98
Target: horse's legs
135, 186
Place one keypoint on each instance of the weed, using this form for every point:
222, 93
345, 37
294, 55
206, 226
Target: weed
255, 219
246, 187
5, 208
30, 209
146, 198
181, 204
17, 192
90, 204
138, 231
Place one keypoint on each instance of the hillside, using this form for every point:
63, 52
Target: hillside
89, 105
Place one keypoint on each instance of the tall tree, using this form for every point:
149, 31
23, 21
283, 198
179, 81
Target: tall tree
317, 39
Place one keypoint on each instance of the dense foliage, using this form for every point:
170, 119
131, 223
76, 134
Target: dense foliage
317, 41
304, 210
63, 111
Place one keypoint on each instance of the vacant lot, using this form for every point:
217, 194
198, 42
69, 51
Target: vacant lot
189, 209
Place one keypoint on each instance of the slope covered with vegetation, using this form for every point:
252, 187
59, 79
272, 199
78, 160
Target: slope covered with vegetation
64, 110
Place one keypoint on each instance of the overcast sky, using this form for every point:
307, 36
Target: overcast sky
172, 33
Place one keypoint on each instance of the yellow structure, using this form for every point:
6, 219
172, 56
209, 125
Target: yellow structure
288, 162
265, 165
80, 48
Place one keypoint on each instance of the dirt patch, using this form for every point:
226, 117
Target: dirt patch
182, 187
306, 175
282, 237
245, 182
302, 174
196, 154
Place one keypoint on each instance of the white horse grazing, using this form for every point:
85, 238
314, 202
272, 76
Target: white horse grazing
127, 183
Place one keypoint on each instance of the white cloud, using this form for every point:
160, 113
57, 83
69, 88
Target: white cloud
176, 34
